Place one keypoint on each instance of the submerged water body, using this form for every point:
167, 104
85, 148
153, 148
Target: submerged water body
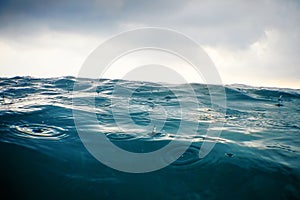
43, 157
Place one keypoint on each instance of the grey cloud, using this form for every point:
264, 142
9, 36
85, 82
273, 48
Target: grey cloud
231, 24
234, 23
81, 16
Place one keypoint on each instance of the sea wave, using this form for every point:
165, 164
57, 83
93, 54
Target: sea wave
256, 155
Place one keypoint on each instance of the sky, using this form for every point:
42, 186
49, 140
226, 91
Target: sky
250, 42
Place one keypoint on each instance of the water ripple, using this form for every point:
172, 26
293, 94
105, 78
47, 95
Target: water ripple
121, 136
40, 131
188, 159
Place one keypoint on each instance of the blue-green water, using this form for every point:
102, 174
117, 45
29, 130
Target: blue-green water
42, 156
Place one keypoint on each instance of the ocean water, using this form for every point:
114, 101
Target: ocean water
257, 155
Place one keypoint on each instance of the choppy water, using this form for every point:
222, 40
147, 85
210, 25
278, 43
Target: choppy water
42, 156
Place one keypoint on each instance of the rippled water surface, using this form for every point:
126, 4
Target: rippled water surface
42, 156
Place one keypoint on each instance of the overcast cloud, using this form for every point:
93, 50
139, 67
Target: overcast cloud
252, 42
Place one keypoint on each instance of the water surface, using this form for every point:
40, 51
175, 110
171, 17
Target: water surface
42, 156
